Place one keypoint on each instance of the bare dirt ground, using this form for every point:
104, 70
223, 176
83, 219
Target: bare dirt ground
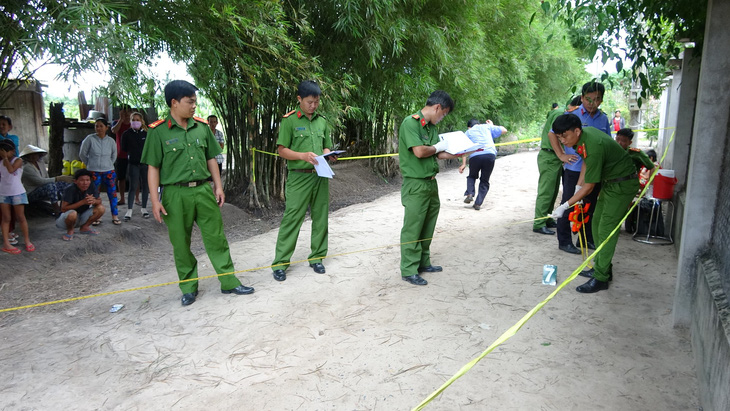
356, 338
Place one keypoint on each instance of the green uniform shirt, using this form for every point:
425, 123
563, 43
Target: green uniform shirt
605, 159
299, 133
413, 132
552, 115
181, 154
640, 159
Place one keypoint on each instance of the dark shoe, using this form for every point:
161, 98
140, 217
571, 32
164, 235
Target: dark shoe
415, 280
543, 230
551, 224
589, 273
592, 286
477, 207
318, 268
569, 248
240, 290
279, 275
430, 269
591, 246
188, 298
469, 199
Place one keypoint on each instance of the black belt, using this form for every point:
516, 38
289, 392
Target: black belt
548, 149
620, 179
191, 183
303, 170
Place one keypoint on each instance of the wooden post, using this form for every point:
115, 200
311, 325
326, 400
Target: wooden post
55, 139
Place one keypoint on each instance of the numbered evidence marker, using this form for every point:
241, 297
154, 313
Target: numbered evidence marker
550, 274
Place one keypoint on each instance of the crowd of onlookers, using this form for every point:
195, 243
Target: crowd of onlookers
111, 158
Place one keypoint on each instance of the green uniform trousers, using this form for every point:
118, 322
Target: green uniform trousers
551, 169
188, 205
303, 190
420, 197
613, 202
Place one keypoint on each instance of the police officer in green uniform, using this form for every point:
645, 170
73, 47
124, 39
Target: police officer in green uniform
303, 135
624, 137
418, 149
550, 161
605, 162
180, 151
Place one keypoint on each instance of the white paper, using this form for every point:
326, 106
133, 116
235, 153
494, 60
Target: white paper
322, 168
458, 143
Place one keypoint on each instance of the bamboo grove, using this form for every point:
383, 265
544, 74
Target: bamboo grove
376, 60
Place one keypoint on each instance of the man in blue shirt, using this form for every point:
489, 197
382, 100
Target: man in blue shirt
590, 116
481, 163
589, 113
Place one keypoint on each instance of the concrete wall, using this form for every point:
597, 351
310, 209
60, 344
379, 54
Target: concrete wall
25, 109
680, 147
701, 298
711, 337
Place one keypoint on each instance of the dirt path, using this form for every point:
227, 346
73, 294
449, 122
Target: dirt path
359, 338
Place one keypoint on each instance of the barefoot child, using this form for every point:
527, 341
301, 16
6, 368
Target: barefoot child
12, 196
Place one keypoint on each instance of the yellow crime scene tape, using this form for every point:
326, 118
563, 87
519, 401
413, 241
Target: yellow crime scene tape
502, 339
513, 330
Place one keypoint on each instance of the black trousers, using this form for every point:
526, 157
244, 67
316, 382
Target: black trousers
480, 167
570, 179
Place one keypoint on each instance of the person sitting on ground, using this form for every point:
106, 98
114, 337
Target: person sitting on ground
38, 186
12, 196
133, 143
481, 163
98, 152
81, 206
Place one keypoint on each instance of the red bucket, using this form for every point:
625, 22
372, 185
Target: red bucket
664, 187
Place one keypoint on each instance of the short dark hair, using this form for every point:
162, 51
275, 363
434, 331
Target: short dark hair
441, 97
651, 154
555, 105
177, 89
617, 111
471, 123
575, 102
308, 88
83, 172
7, 145
102, 120
592, 86
6, 118
566, 122
212, 116
626, 132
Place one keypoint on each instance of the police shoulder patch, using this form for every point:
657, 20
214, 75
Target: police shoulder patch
416, 116
634, 149
156, 123
201, 120
289, 113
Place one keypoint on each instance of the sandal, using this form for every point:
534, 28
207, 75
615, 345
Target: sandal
90, 231
67, 237
11, 250
97, 222
29, 248
116, 221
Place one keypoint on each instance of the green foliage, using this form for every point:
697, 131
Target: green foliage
651, 28
376, 61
